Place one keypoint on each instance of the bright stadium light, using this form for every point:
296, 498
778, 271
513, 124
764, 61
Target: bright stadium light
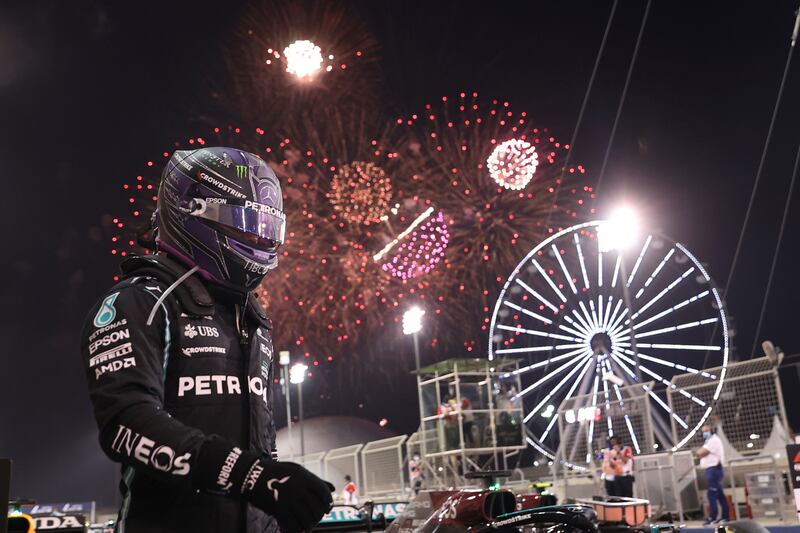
303, 59
619, 231
297, 374
412, 320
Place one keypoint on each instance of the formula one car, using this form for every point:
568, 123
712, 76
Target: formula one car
479, 511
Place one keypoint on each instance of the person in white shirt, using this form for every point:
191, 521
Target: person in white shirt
712, 457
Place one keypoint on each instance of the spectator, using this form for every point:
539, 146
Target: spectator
612, 466
349, 493
625, 480
712, 458
416, 474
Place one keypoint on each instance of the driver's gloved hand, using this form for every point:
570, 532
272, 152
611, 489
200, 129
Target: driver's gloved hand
297, 498
294, 496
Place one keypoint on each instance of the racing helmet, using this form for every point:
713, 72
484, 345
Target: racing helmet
221, 209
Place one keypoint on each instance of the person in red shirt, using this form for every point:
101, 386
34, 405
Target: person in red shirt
349, 493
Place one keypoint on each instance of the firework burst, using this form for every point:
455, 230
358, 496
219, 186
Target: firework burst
291, 58
490, 227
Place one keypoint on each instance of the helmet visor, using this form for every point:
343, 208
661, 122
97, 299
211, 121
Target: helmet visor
260, 220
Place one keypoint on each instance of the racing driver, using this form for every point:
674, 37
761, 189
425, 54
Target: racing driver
179, 360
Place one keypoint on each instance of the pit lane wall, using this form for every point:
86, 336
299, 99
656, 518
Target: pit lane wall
349, 513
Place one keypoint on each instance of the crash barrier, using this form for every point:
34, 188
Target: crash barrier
314, 463
668, 481
340, 462
757, 488
382, 462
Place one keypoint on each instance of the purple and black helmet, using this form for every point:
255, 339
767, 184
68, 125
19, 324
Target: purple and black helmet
221, 209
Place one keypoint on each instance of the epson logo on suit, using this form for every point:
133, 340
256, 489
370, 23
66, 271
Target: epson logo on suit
111, 338
145, 450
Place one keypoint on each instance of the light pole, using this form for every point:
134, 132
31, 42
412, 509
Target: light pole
297, 374
618, 233
412, 324
284, 359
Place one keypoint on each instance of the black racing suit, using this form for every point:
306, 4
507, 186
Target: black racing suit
201, 370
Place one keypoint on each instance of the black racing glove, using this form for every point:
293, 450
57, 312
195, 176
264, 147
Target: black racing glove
294, 496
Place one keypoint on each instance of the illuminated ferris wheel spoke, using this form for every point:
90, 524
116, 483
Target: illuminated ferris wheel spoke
599, 268
679, 366
578, 380
527, 390
607, 326
661, 378
538, 333
527, 312
539, 348
570, 330
618, 321
595, 317
583, 264
650, 392
616, 271
564, 269
589, 318
570, 392
574, 324
671, 309
670, 329
622, 405
655, 272
555, 389
600, 318
540, 364
582, 321
549, 281
608, 409
549, 427
536, 294
662, 293
621, 401
590, 436
639, 260
698, 347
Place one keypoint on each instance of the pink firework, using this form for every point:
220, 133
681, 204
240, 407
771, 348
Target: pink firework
421, 251
513, 163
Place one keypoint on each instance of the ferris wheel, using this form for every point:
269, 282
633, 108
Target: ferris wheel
589, 318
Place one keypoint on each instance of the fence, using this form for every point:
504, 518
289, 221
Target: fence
750, 403
382, 461
341, 462
378, 468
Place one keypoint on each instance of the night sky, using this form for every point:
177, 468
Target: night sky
88, 91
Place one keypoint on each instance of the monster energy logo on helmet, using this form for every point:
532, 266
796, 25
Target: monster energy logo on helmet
241, 171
